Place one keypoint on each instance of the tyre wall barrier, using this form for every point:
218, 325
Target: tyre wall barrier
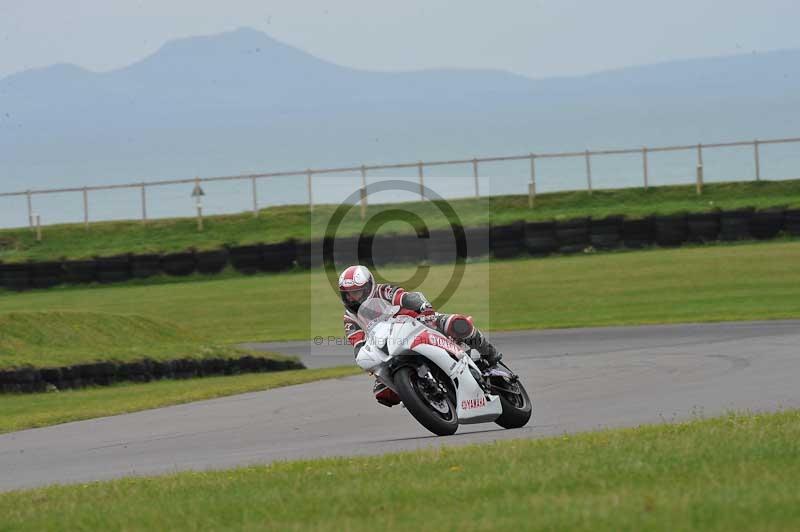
637, 234
766, 224
540, 238
179, 264
345, 251
246, 259
791, 222
79, 271
441, 247
671, 231
33, 380
703, 227
144, 266
502, 241
506, 241
606, 233
15, 276
113, 269
735, 225
278, 257
211, 262
46, 274
572, 235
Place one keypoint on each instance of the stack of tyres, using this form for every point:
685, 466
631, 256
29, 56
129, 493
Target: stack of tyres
507, 241
345, 251
113, 269
572, 235
735, 225
46, 274
671, 230
606, 233
540, 238
442, 248
477, 239
767, 223
246, 259
79, 271
406, 249
791, 223
211, 262
179, 264
15, 276
703, 227
144, 266
278, 257
637, 233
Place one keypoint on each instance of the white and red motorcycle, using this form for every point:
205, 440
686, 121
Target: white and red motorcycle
435, 377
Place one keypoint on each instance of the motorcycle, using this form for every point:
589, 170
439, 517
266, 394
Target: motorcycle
435, 377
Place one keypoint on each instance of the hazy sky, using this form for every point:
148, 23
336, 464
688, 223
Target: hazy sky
538, 38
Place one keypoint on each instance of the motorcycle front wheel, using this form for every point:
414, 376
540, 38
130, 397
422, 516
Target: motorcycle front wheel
426, 401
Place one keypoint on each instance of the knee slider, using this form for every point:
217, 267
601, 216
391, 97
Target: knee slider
459, 326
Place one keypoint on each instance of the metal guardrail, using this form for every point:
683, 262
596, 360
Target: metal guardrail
420, 166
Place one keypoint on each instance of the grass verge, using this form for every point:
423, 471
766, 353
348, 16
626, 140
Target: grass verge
26, 411
690, 284
61, 338
276, 224
730, 473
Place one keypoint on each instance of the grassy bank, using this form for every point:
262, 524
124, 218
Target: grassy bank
60, 338
730, 473
713, 283
28, 411
280, 223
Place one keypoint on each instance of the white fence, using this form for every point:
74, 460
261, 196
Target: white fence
418, 167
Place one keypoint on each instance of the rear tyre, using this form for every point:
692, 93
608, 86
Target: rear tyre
429, 405
517, 406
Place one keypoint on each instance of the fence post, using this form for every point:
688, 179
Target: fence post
38, 228
700, 155
310, 191
475, 176
532, 183
644, 167
144, 204
198, 204
363, 192
758, 161
255, 197
589, 171
421, 181
30, 209
85, 208
699, 184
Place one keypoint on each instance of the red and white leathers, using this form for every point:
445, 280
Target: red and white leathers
456, 326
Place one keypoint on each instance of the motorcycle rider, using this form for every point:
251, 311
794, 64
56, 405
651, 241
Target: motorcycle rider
356, 285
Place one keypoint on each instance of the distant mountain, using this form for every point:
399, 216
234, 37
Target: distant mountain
242, 101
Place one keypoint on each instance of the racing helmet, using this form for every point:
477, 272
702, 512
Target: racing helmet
356, 285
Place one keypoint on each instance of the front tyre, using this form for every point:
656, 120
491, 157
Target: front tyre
517, 406
427, 401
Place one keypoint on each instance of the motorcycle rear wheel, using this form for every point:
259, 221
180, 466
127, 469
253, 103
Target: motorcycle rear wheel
517, 407
437, 415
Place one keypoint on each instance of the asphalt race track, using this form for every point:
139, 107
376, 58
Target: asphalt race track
580, 379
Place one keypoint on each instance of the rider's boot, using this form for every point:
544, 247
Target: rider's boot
482, 345
461, 328
385, 395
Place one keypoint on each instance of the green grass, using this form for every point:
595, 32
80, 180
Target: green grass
730, 473
60, 338
692, 284
24, 411
276, 224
